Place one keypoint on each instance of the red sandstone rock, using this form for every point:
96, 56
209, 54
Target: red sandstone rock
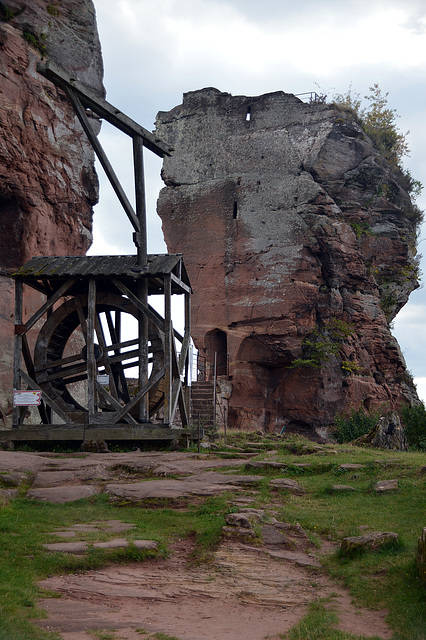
288, 237
48, 185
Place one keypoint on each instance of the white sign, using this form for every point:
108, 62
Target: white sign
26, 398
103, 378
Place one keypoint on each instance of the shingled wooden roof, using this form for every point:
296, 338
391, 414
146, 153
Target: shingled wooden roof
58, 268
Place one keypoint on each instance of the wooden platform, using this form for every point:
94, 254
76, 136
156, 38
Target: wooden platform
62, 432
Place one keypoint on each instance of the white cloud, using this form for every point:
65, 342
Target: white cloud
155, 51
421, 388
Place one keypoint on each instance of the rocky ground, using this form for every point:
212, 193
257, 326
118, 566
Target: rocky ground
250, 589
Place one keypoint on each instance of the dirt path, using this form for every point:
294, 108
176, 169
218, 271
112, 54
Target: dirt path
251, 592
245, 594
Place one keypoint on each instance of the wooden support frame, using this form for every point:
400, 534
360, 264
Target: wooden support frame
95, 307
77, 296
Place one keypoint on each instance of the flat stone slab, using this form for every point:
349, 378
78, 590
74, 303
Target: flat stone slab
350, 466
288, 484
163, 489
75, 548
240, 533
211, 477
6, 495
368, 542
265, 464
208, 483
342, 487
60, 495
237, 520
122, 543
273, 537
295, 557
13, 479
63, 534
386, 485
80, 548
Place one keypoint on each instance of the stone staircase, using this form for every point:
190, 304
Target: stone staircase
202, 402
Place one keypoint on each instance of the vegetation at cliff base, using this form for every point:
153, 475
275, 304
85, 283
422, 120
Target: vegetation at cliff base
358, 422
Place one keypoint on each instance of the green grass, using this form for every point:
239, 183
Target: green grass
320, 624
25, 526
385, 580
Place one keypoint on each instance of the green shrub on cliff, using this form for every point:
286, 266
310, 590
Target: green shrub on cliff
354, 424
379, 123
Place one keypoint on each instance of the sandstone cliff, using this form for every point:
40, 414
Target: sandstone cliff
48, 185
299, 239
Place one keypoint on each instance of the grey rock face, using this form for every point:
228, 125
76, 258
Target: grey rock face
295, 231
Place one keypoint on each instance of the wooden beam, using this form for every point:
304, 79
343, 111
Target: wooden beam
102, 108
90, 351
49, 303
62, 432
133, 402
140, 239
33, 385
139, 304
168, 339
181, 284
143, 327
103, 392
16, 418
103, 159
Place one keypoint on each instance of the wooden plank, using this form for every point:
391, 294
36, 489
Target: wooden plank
16, 416
146, 309
115, 333
183, 408
59, 363
33, 385
103, 392
181, 284
42, 433
49, 303
183, 356
143, 351
129, 406
90, 344
106, 362
141, 237
176, 389
31, 372
168, 339
103, 159
103, 108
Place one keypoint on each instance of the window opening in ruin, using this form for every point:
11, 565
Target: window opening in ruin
235, 211
248, 114
216, 342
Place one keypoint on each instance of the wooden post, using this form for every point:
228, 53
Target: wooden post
140, 236
17, 348
140, 239
188, 367
168, 337
90, 348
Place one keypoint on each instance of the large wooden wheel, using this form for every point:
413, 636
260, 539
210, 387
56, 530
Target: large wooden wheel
60, 356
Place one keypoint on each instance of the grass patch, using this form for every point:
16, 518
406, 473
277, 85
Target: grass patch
25, 525
320, 624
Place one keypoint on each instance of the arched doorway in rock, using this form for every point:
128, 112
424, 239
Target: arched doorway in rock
216, 342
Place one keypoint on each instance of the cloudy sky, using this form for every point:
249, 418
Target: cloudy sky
155, 50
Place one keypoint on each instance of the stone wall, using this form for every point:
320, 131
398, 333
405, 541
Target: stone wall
299, 240
48, 185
